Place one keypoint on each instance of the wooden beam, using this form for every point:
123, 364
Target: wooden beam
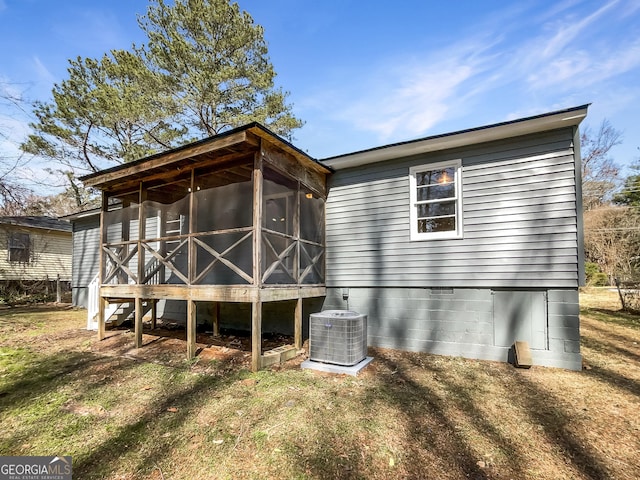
142, 231
102, 304
296, 234
191, 329
166, 159
192, 256
290, 166
257, 219
103, 239
297, 325
212, 293
216, 319
277, 294
256, 335
138, 322
154, 314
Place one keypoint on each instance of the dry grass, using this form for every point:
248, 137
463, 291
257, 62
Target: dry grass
124, 414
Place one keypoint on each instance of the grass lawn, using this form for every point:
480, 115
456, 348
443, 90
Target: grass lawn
150, 414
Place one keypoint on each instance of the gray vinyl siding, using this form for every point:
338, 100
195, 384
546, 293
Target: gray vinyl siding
86, 256
519, 220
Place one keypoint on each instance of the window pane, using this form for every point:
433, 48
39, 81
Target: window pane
437, 209
436, 192
441, 224
19, 247
434, 177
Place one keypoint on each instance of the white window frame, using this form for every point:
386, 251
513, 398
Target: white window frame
413, 215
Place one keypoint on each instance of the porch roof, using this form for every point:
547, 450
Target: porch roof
239, 144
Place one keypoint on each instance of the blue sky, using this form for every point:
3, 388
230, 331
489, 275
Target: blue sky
366, 73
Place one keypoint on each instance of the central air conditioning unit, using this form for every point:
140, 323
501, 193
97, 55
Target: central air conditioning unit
338, 337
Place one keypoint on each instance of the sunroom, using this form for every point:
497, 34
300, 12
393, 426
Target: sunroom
238, 217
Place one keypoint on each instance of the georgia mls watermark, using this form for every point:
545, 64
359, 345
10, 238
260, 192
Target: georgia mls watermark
35, 468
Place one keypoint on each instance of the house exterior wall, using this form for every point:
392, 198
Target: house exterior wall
50, 255
461, 322
519, 220
520, 232
86, 257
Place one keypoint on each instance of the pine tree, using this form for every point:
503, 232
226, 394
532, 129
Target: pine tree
204, 69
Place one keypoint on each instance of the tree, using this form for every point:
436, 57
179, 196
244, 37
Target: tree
612, 240
600, 173
108, 111
12, 192
205, 69
630, 193
213, 59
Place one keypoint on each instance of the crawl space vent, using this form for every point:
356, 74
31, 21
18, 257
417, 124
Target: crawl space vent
338, 337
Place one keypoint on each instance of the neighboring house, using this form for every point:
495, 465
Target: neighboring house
35, 249
456, 244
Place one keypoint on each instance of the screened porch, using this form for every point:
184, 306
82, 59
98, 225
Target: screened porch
235, 218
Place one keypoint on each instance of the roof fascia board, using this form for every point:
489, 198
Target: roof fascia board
541, 123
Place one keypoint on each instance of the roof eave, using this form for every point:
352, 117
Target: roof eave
540, 123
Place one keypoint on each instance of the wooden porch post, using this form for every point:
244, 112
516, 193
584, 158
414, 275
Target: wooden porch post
138, 322
297, 324
191, 329
142, 231
256, 335
191, 249
216, 319
256, 306
102, 306
103, 239
154, 313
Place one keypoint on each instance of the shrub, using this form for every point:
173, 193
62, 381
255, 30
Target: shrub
595, 276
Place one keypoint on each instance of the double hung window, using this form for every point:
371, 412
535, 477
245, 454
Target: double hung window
19, 247
436, 201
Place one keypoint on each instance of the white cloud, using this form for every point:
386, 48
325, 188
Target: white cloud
420, 101
569, 29
43, 73
410, 97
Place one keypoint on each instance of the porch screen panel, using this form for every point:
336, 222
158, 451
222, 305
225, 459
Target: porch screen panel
223, 236
311, 263
224, 259
312, 238
166, 243
224, 207
279, 242
120, 249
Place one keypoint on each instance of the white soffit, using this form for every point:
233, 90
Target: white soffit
526, 126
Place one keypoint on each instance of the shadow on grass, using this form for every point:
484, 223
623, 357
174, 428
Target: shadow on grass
449, 444
433, 436
34, 386
545, 409
616, 317
39, 387
609, 348
165, 416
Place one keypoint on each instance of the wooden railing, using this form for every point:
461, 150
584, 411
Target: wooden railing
191, 258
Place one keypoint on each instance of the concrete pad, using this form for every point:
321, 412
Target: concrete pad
340, 369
